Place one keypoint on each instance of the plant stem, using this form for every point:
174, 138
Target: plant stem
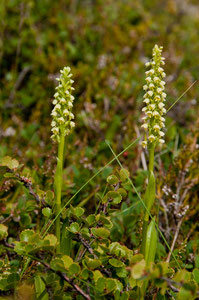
58, 187
151, 158
146, 198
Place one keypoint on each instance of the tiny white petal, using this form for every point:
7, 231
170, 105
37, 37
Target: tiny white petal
159, 90
70, 104
156, 114
151, 138
150, 93
66, 112
144, 144
160, 105
61, 120
146, 100
148, 79
145, 126
58, 106
156, 127
161, 141
63, 100
161, 133
152, 106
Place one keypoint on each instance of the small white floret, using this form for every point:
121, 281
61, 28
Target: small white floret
146, 100
160, 105
150, 93
161, 141
156, 127
144, 144
145, 126
161, 133
151, 138
152, 106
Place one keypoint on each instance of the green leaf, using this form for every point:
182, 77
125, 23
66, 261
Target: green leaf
151, 242
110, 285
91, 219
116, 249
121, 272
3, 231
77, 211
20, 248
92, 263
187, 291
100, 232
122, 192
136, 258
101, 284
182, 276
197, 261
25, 220
116, 263
124, 296
7, 161
57, 264
49, 197
25, 235
85, 274
40, 289
112, 179
51, 238
68, 261
138, 270
124, 174
104, 220
196, 275
74, 269
97, 274
74, 227
115, 196
46, 211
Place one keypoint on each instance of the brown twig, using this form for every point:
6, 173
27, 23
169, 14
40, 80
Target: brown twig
174, 239
171, 283
67, 279
85, 243
90, 250
28, 184
59, 273
17, 85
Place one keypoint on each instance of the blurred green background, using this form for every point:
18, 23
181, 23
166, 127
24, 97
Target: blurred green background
106, 44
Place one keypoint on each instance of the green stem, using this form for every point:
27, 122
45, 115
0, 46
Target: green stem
151, 157
149, 197
58, 187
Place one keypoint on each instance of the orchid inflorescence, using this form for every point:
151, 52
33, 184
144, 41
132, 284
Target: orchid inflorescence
154, 99
62, 123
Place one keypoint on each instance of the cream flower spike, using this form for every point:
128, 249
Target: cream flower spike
154, 99
62, 123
